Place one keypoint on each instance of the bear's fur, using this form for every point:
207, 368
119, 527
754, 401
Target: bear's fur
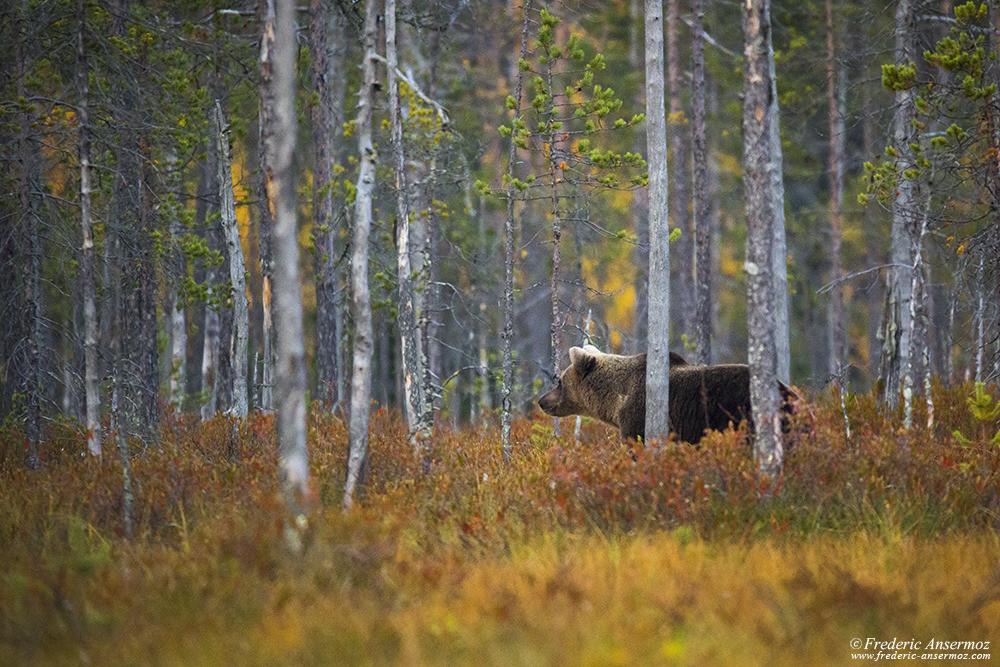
612, 388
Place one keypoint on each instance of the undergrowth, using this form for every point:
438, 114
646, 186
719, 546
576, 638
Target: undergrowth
591, 551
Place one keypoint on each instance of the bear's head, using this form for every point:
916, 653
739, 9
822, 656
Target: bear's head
567, 397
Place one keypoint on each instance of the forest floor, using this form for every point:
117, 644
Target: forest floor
585, 552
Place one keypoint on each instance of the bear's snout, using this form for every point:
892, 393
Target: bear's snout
550, 401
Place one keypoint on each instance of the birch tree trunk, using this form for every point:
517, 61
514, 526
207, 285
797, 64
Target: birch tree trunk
684, 246
407, 320
237, 267
92, 395
896, 343
267, 207
658, 336
508, 285
834, 88
704, 276
760, 205
779, 253
290, 370
361, 378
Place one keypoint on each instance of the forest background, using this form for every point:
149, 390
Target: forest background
156, 74
136, 226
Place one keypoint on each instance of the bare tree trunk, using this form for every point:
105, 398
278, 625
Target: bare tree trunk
483, 402
210, 348
508, 285
92, 395
679, 201
640, 196
834, 87
290, 370
266, 205
124, 457
896, 343
872, 238
327, 44
31, 264
760, 204
658, 336
779, 262
704, 275
237, 267
413, 387
361, 379
555, 176
916, 293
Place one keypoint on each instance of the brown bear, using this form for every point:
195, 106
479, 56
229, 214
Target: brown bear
612, 388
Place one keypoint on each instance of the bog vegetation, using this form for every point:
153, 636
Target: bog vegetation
575, 552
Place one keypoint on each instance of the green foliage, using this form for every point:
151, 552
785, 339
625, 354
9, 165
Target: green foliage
558, 120
986, 411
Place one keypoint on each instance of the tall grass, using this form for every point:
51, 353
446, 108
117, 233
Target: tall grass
589, 551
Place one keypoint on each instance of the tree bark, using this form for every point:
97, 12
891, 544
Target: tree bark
758, 184
327, 45
508, 285
704, 275
413, 387
679, 200
834, 88
779, 253
896, 343
267, 207
658, 336
92, 395
237, 267
290, 370
361, 377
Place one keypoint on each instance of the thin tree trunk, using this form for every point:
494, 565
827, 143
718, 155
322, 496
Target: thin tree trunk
361, 378
896, 343
327, 44
916, 293
409, 332
267, 207
779, 264
92, 395
658, 336
679, 200
704, 275
555, 177
237, 267
508, 285
834, 87
761, 201
212, 325
210, 360
873, 256
640, 196
290, 369
31, 264
121, 445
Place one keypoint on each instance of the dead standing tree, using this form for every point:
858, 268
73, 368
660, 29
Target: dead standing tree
361, 377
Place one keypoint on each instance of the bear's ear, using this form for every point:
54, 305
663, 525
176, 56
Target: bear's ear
677, 360
582, 361
592, 349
